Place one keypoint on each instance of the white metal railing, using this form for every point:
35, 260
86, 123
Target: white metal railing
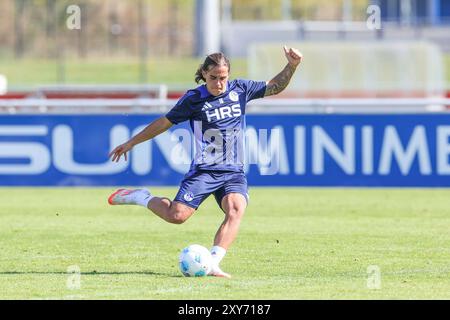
137, 105
157, 90
352, 105
261, 106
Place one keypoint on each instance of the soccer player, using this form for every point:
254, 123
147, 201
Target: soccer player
216, 111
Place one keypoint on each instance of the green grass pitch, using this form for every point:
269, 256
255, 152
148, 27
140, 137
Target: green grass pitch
294, 243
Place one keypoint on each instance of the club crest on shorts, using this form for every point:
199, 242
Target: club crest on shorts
233, 96
188, 196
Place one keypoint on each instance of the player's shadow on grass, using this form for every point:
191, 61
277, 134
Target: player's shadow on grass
91, 273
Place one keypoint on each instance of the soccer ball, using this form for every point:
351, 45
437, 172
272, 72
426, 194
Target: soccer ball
195, 261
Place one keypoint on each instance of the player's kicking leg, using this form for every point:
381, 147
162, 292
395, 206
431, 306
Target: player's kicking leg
171, 211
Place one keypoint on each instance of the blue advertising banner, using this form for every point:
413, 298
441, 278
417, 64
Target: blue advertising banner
280, 150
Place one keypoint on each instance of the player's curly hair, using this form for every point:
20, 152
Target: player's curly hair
212, 60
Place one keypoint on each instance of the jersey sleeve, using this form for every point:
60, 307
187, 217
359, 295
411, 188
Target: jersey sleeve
254, 89
183, 109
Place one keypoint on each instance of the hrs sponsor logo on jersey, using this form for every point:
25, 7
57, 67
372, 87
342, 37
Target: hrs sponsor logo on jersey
223, 112
215, 114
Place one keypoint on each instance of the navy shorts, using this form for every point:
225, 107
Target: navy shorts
198, 185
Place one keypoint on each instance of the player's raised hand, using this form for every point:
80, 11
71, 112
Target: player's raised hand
293, 56
119, 151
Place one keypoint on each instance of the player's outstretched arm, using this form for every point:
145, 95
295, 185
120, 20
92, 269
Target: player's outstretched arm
281, 80
152, 130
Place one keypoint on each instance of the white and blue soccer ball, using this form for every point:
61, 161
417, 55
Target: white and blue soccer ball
195, 261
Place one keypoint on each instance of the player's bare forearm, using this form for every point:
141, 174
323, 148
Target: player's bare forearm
280, 81
152, 130
155, 128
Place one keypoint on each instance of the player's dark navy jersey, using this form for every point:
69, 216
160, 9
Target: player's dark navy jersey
218, 123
